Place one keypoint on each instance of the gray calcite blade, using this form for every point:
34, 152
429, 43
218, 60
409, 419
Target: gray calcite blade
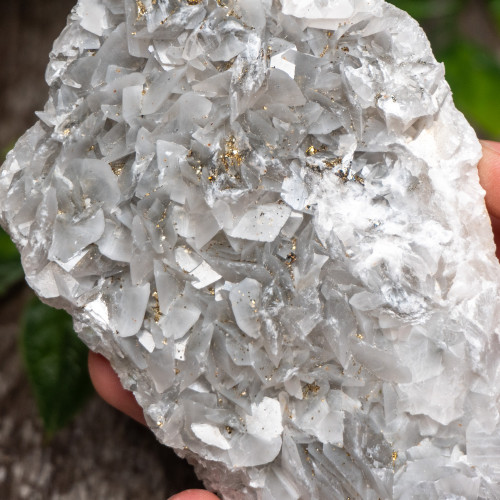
266, 214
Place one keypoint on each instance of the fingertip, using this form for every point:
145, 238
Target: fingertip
194, 495
489, 176
108, 386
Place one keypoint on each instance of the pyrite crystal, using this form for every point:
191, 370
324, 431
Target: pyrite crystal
266, 214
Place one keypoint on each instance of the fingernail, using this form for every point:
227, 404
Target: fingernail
494, 146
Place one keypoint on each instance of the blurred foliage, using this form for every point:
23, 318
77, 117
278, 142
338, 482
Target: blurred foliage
425, 9
11, 271
55, 358
472, 69
56, 362
495, 9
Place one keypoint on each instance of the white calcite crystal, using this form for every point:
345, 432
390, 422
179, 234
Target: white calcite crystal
266, 214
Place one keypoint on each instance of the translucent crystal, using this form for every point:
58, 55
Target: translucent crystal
266, 214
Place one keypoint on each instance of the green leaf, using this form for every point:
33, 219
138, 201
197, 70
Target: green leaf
3, 154
11, 271
56, 362
8, 250
474, 77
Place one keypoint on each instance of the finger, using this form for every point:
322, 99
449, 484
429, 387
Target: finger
109, 387
489, 175
194, 495
495, 224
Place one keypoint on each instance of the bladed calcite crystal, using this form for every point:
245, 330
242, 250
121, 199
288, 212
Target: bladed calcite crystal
266, 214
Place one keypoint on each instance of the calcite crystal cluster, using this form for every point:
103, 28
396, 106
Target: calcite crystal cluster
266, 214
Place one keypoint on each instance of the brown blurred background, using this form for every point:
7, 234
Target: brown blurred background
102, 454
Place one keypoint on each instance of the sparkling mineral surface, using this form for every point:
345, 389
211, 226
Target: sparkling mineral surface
266, 214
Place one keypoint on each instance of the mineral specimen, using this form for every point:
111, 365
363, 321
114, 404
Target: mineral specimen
266, 214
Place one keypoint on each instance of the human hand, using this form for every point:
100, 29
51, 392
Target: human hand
108, 386
489, 175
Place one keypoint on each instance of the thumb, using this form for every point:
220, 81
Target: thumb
194, 495
489, 175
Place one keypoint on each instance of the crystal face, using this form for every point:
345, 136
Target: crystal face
266, 214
